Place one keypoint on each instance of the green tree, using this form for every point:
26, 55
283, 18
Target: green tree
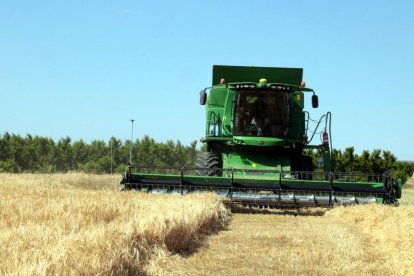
63, 156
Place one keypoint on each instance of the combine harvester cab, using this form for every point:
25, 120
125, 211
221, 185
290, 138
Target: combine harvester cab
257, 133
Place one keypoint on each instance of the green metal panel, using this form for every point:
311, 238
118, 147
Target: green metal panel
297, 120
297, 100
227, 123
259, 141
255, 161
254, 74
219, 112
217, 96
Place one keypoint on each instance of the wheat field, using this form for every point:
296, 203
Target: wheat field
79, 224
356, 240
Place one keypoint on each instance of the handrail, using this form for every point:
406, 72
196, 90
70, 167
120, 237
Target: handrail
328, 124
327, 127
316, 128
227, 132
335, 175
307, 117
209, 121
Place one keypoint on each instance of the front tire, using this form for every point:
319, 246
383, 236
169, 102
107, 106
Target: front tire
303, 165
208, 164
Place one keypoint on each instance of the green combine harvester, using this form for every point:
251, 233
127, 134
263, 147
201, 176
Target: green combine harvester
257, 133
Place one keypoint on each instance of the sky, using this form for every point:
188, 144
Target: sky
83, 69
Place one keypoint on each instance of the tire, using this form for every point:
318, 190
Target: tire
208, 164
303, 163
307, 163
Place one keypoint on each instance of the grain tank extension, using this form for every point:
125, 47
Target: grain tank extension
257, 134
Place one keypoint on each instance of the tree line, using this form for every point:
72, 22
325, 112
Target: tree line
42, 154
376, 161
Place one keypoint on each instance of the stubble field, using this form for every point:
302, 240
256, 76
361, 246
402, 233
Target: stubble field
80, 224
354, 240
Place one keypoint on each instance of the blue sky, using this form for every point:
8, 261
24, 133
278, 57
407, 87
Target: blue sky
84, 68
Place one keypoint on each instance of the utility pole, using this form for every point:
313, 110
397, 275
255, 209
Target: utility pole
132, 140
112, 156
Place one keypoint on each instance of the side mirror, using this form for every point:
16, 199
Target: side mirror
315, 101
203, 97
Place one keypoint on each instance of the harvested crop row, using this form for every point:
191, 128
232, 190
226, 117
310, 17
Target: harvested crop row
71, 231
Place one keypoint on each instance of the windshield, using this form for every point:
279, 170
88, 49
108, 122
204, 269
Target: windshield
261, 113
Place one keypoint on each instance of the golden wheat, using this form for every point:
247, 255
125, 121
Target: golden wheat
408, 193
80, 224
